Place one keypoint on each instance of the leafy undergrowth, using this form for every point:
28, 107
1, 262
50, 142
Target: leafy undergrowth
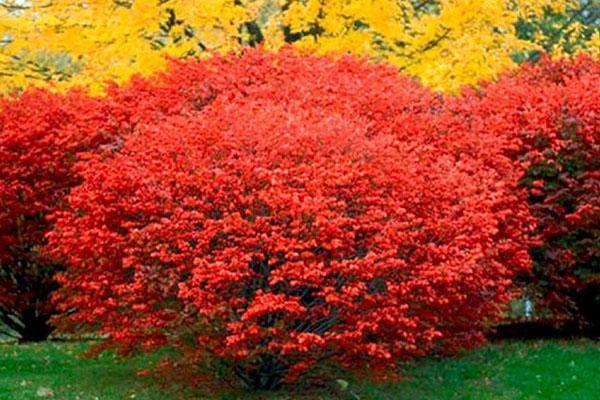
508, 370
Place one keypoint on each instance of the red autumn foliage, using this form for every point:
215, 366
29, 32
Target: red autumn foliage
550, 113
290, 210
40, 136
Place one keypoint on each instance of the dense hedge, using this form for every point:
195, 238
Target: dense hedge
272, 212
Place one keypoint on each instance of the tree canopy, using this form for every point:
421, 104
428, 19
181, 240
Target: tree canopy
445, 43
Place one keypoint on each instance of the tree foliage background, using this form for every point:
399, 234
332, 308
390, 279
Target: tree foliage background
445, 43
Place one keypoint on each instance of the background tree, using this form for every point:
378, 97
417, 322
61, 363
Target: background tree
446, 43
575, 29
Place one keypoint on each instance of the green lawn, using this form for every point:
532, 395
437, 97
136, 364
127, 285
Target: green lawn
510, 370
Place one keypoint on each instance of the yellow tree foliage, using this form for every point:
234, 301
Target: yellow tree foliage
445, 43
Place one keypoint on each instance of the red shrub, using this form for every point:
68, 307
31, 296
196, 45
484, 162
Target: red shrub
550, 113
40, 136
306, 210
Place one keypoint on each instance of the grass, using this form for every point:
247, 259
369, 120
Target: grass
509, 370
